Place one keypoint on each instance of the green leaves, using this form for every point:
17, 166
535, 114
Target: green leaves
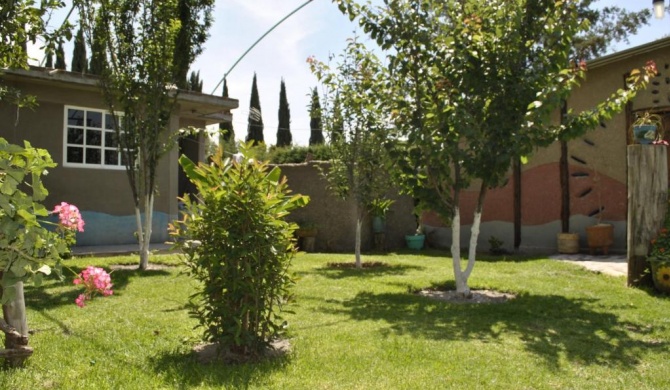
239, 246
25, 245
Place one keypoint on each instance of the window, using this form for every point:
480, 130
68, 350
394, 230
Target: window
90, 140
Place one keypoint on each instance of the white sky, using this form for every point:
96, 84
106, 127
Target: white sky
319, 29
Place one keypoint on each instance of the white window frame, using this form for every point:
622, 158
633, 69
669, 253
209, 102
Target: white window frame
85, 128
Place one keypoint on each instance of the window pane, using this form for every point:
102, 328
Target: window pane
109, 122
110, 139
75, 155
111, 157
92, 156
75, 117
93, 137
94, 119
75, 136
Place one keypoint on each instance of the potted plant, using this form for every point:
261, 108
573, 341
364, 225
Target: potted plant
647, 128
378, 209
416, 240
659, 259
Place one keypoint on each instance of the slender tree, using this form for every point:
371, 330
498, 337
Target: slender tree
255, 127
195, 19
194, 82
316, 130
49, 60
284, 137
98, 61
359, 169
79, 61
60, 57
140, 38
473, 90
226, 131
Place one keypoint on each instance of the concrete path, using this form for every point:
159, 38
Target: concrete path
615, 265
112, 250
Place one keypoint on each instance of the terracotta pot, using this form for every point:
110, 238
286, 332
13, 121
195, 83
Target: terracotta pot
600, 237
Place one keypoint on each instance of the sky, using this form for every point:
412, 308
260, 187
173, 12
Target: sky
319, 30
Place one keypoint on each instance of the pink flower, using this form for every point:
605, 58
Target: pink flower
69, 216
95, 281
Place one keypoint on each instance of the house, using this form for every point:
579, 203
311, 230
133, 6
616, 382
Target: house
72, 122
526, 212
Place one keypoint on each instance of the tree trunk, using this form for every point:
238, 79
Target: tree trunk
461, 281
144, 233
14, 314
359, 222
647, 205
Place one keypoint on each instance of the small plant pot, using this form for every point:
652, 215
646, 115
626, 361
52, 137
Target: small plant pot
644, 134
600, 237
378, 224
568, 243
660, 273
415, 241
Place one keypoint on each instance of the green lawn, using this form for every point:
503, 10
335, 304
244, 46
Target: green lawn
568, 329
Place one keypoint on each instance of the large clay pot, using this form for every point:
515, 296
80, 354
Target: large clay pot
415, 241
600, 236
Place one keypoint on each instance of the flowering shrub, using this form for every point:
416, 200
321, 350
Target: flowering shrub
95, 281
69, 222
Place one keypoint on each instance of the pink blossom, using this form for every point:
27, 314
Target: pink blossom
69, 216
95, 281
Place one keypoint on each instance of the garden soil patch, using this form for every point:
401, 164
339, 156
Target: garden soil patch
476, 296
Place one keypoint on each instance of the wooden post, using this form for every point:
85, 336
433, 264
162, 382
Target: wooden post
647, 205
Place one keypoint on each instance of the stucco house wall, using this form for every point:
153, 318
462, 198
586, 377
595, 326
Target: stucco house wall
102, 193
596, 164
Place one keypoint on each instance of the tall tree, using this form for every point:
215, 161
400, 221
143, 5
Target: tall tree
316, 130
141, 39
49, 60
255, 126
195, 19
226, 131
284, 137
60, 57
472, 91
358, 169
98, 46
79, 61
194, 82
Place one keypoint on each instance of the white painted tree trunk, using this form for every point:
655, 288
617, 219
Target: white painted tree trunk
14, 314
144, 232
359, 223
459, 276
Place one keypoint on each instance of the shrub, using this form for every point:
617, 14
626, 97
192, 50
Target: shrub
239, 246
298, 154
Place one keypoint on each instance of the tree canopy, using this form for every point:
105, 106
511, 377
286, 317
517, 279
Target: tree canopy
284, 137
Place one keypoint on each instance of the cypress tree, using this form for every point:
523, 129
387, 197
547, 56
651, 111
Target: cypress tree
316, 135
337, 130
98, 50
194, 82
255, 127
226, 128
79, 62
284, 137
60, 57
49, 60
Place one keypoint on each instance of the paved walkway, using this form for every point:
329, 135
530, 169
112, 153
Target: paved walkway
112, 250
615, 265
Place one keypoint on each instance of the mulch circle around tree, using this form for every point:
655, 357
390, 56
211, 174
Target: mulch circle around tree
135, 267
209, 353
366, 264
476, 296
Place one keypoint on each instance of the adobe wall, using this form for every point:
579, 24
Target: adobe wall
336, 218
597, 169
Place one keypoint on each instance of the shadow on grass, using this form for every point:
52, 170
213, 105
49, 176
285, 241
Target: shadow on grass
339, 272
551, 327
183, 371
51, 294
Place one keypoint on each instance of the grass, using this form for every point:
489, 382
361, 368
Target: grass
351, 329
